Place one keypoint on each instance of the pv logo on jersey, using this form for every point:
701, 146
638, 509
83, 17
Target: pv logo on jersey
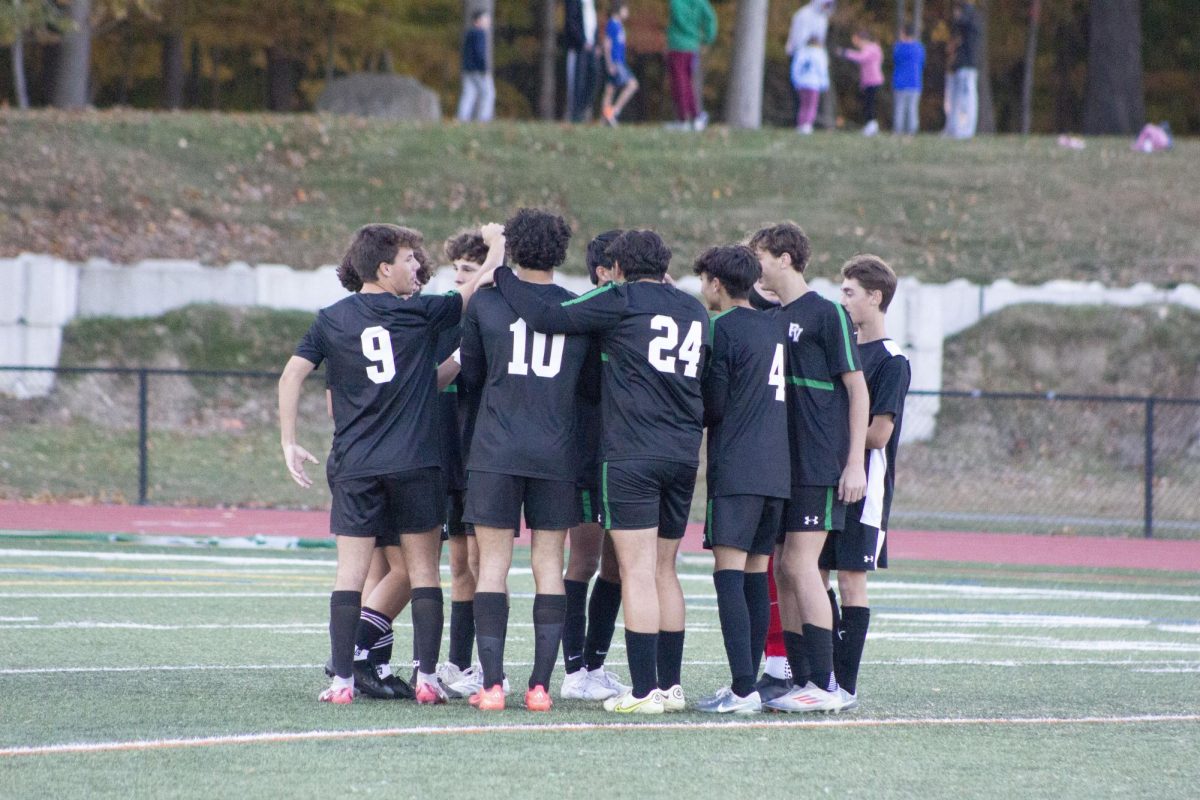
794, 332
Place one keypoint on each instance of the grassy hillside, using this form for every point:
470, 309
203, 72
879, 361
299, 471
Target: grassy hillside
290, 189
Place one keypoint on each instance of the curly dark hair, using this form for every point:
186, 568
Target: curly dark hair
373, 245
424, 266
597, 253
785, 237
466, 245
734, 265
537, 239
641, 254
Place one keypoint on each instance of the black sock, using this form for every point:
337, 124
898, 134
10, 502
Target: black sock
642, 652
428, 620
833, 605
549, 611
574, 626
602, 622
848, 646
796, 655
462, 632
818, 649
735, 628
372, 625
670, 658
491, 628
381, 653
758, 604
344, 608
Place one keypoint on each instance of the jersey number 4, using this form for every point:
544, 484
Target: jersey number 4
775, 378
689, 351
377, 346
543, 367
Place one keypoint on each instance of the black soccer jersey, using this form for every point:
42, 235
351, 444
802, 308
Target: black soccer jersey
888, 374
653, 343
588, 410
379, 351
745, 406
821, 347
528, 383
450, 417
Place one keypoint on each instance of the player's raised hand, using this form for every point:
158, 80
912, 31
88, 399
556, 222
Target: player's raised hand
853, 485
294, 456
490, 232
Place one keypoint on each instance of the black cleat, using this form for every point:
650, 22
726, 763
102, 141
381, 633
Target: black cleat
367, 681
400, 687
770, 687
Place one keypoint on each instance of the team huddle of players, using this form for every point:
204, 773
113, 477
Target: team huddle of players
456, 416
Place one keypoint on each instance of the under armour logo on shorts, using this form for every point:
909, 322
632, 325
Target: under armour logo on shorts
812, 520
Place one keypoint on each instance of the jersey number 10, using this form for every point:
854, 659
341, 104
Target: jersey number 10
689, 351
542, 367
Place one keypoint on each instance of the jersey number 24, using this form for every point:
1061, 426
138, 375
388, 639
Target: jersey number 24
689, 351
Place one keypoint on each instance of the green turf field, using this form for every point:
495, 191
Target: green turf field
978, 681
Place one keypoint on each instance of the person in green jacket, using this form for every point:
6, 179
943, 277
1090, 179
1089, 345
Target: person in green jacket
693, 23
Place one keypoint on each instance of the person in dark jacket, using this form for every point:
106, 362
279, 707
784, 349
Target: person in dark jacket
478, 100
963, 111
579, 39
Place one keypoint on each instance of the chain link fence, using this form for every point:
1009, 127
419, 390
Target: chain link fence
970, 461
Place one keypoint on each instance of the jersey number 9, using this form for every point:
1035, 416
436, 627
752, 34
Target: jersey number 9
377, 346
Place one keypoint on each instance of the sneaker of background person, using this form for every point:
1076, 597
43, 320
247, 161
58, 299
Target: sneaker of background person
700, 122
726, 702
871, 128
538, 699
626, 703
673, 699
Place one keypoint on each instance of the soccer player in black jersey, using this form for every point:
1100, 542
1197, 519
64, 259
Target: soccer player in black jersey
827, 425
749, 475
589, 627
522, 452
466, 251
383, 467
868, 286
653, 344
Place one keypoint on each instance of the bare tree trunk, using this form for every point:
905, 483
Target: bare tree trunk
1035, 12
1115, 101
546, 98
743, 104
75, 59
172, 69
901, 10
987, 107
330, 47
214, 55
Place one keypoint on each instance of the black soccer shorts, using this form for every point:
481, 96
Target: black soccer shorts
589, 506
646, 493
454, 525
745, 522
495, 500
385, 506
813, 508
857, 547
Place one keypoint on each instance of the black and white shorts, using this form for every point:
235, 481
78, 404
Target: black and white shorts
496, 500
386, 506
857, 547
589, 506
814, 508
747, 522
647, 493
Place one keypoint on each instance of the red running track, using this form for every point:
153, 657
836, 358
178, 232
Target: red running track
989, 548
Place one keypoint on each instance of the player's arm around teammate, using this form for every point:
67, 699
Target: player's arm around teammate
653, 339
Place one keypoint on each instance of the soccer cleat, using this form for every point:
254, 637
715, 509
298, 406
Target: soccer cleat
400, 687
626, 703
460, 683
769, 687
492, 699
673, 698
368, 682
606, 681
807, 698
429, 691
538, 699
849, 701
575, 686
726, 702
340, 696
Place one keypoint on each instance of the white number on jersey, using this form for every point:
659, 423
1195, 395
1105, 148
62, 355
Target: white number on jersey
543, 367
377, 346
689, 353
776, 377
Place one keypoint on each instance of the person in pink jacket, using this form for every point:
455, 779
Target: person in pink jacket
869, 57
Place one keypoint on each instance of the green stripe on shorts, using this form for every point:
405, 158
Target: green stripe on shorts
829, 509
586, 497
604, 495
708, 531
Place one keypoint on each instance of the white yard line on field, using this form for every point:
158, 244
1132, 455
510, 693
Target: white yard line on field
576, 727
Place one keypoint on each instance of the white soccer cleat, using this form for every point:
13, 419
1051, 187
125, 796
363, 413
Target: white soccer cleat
607, 681
459, 683
849, 701
575, 686
673, 699
726, 702
807, 698
626, 703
